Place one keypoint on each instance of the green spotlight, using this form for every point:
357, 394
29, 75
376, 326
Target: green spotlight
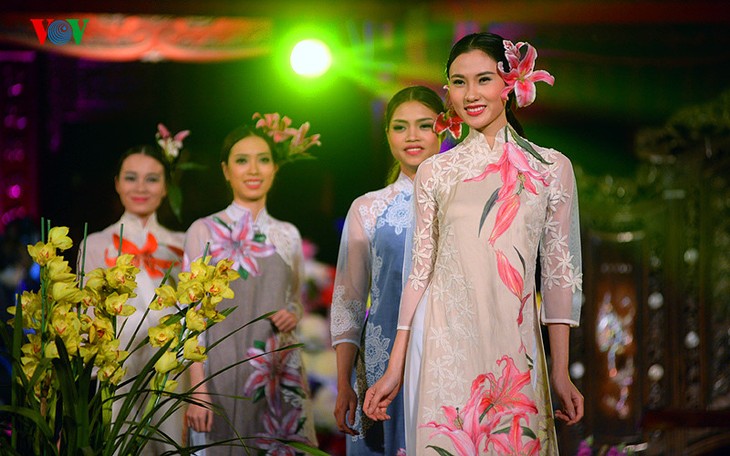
310, 58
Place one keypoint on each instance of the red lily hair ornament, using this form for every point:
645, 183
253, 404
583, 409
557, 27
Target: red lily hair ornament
448, 121
292, 142
522, 75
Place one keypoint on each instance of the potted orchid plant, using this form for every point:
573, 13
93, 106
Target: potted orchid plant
68, 366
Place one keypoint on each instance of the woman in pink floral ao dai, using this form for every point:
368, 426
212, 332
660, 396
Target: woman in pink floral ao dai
267, 397
483, 212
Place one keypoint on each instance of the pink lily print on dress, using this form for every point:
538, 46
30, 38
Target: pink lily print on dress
273, 370
516, 175
286, 429
513, 279
238, 243
522, 75
512, 442
472, 428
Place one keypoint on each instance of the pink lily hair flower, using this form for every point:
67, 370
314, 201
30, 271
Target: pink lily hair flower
238, 243
291, 142
522, 75
300, 142
273, 370
171, 144
448, 121
279, 128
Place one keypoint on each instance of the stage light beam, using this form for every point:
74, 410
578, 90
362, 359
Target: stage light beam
310, 58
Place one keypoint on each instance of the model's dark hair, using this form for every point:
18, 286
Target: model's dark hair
492, 45
244, 131
421, 94
155, 152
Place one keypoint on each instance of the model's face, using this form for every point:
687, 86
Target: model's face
411, 136
475, 90
141, 184
250, 170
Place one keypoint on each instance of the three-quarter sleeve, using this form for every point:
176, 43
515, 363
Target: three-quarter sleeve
560, 250
352, 280
294, 296
425, 240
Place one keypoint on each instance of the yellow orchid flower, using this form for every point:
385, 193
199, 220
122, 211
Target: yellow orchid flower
190, 292
193, 351
219, 288
223, 270
58, 237
87, 352
59, 271
162, 334
195, 321
199, 270
115, 304
30, 363
166, 362
101, 330
214, 316
165, 298
160, 384
89, 298
41, 253
51, 351
95, 280
65, 291
111, 372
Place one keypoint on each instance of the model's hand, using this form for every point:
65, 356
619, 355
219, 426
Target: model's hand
200, 417
345, 408
379, 396
570, 398
284, 320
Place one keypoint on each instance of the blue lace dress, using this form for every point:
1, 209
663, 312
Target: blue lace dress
370, 264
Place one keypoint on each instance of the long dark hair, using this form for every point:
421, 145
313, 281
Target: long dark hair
492, 45
155, 152
421, 94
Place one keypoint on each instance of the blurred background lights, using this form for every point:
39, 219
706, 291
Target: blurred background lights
310, 58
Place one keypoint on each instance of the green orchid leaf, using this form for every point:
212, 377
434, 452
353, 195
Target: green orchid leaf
488, 207
528, 432
304, 447
526, 146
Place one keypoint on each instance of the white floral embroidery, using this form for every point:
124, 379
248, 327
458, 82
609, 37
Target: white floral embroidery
345, 315
376, 352
398, 214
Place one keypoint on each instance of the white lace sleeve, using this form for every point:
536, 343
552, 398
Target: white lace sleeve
352, 280
294, 298
425, 238
560, 250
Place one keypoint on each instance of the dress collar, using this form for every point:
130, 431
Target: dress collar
135, 222
403, 183
235, 211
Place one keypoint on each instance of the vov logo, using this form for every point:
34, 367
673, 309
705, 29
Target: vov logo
59, 31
